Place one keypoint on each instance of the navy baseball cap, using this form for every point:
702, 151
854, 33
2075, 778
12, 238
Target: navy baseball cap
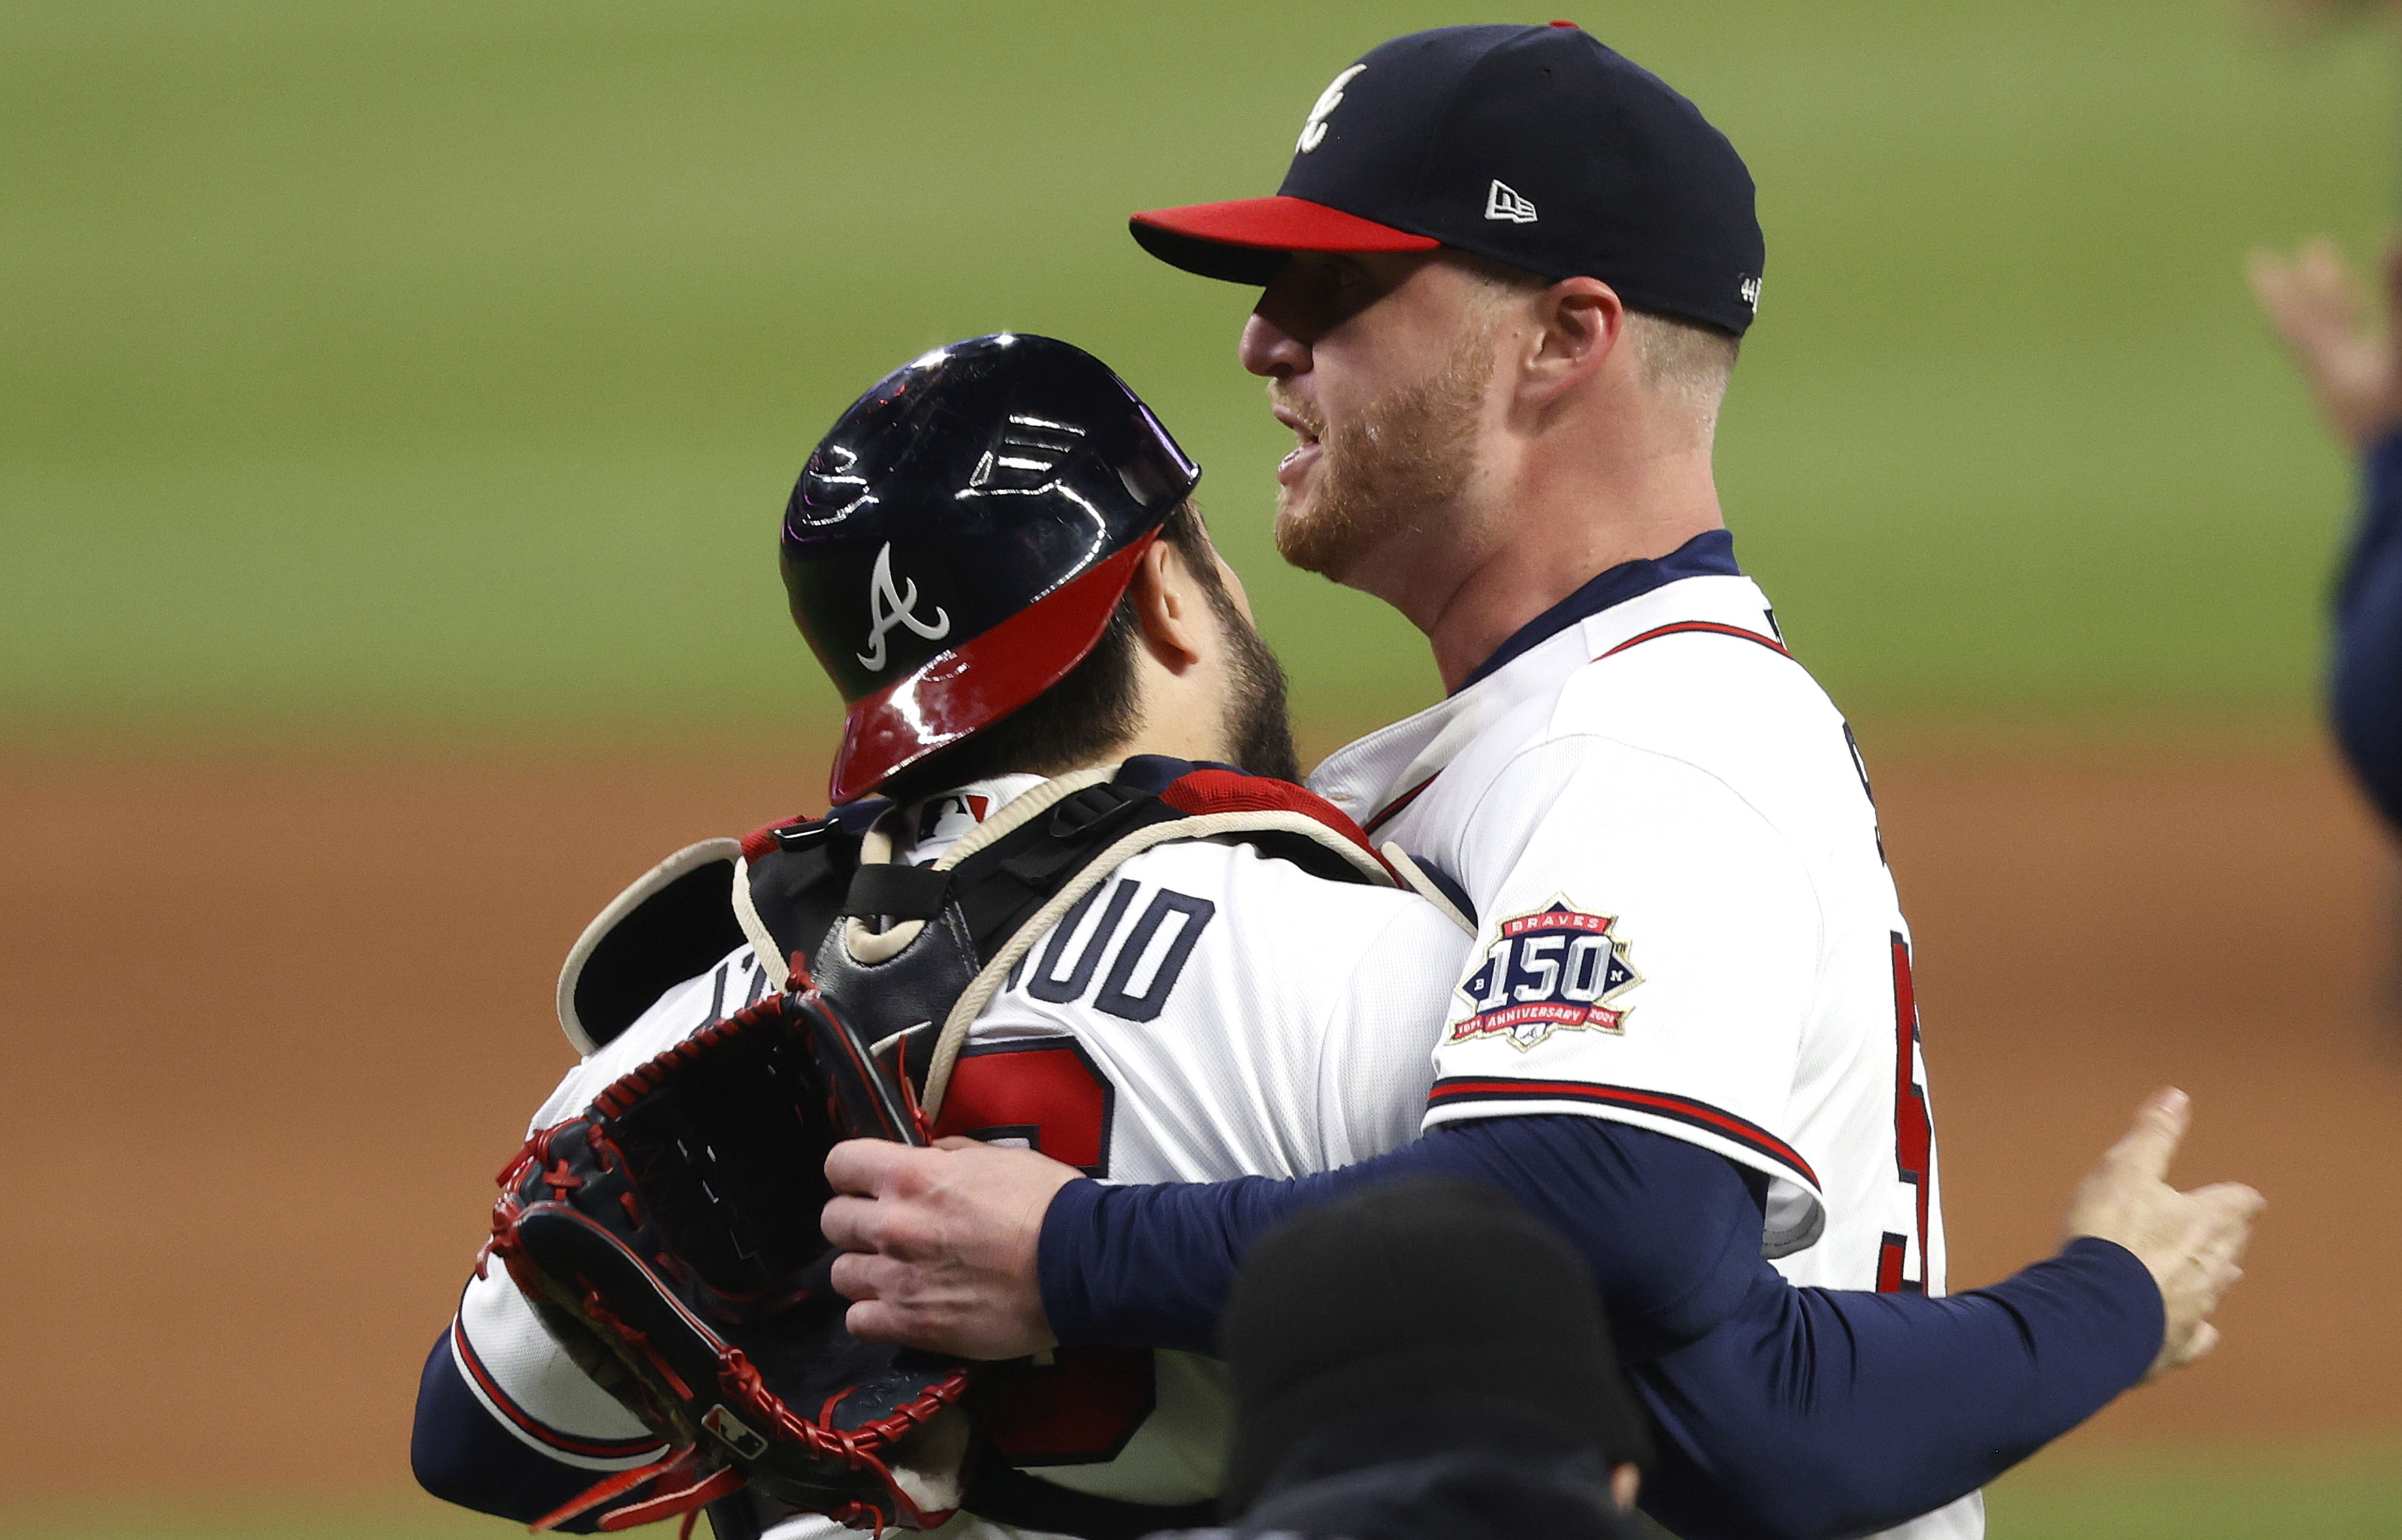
1536, 146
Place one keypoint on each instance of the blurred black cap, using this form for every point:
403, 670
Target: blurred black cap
1415, 1321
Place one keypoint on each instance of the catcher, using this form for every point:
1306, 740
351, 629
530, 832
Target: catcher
1067, 931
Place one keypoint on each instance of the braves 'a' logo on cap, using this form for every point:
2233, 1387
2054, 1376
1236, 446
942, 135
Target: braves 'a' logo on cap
887, 607
1313, 133
1556, 969
1504, 201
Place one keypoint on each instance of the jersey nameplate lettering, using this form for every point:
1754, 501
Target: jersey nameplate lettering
1146, 966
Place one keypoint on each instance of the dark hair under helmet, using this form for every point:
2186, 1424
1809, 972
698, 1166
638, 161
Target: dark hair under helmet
958, 541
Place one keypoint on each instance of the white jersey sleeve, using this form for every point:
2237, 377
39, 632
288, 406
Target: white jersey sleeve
736, 980
529, 1384
1647, 956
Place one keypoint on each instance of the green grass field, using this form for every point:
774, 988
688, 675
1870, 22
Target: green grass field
446, 365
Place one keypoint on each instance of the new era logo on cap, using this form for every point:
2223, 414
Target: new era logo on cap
1502, 201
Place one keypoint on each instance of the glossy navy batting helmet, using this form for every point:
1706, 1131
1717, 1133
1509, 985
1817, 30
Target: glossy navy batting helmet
958, 543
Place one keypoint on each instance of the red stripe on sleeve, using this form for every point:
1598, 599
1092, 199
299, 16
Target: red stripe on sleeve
599, 1448
1683, 1108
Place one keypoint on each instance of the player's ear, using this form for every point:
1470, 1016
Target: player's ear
1169, 608
1581, 323
1625, 1482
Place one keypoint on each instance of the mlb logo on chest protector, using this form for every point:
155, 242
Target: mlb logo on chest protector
742, 1439
1556, 969
952, 815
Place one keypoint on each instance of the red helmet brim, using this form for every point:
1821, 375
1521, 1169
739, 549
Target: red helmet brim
969, 688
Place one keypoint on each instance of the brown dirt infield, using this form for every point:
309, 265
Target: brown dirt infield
275, 1024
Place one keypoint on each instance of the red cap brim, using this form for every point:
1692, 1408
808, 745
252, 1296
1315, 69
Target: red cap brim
1244, 241
980, 682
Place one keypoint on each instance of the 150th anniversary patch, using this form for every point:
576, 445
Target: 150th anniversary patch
1556, 969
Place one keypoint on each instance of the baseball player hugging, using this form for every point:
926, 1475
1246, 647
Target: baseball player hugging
1500, 296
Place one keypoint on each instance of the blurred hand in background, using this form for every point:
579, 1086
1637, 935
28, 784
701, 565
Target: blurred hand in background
2350, 360
2353, 365
2306, 17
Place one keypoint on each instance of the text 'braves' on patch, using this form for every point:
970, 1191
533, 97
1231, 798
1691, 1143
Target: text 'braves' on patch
1554, 970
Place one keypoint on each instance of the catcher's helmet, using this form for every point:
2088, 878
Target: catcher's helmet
957, 543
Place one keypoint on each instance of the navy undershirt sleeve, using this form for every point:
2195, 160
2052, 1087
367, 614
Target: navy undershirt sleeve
1783, 1412
2365, 686
1669, 1229
1816, 1412
461, 1454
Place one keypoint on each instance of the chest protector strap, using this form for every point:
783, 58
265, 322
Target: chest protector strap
913, 954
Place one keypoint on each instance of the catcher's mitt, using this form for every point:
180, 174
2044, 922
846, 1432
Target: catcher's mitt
669, 1237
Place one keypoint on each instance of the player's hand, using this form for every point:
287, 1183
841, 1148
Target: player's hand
2192, 1242
942, 1243
2352, 366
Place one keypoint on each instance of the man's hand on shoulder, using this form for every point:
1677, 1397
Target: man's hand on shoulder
942, 1244
2192, 1242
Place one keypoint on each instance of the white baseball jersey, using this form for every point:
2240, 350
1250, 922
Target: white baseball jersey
1664, 830
1206, 1012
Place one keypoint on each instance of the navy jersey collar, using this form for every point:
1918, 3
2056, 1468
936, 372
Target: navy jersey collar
1710, 553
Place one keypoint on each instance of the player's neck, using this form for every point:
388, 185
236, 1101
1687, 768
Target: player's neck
1529, 540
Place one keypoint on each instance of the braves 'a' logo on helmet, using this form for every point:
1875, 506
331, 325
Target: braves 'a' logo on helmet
1556, 969
887, 607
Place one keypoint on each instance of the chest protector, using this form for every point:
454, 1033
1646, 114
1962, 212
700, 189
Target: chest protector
910, 955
